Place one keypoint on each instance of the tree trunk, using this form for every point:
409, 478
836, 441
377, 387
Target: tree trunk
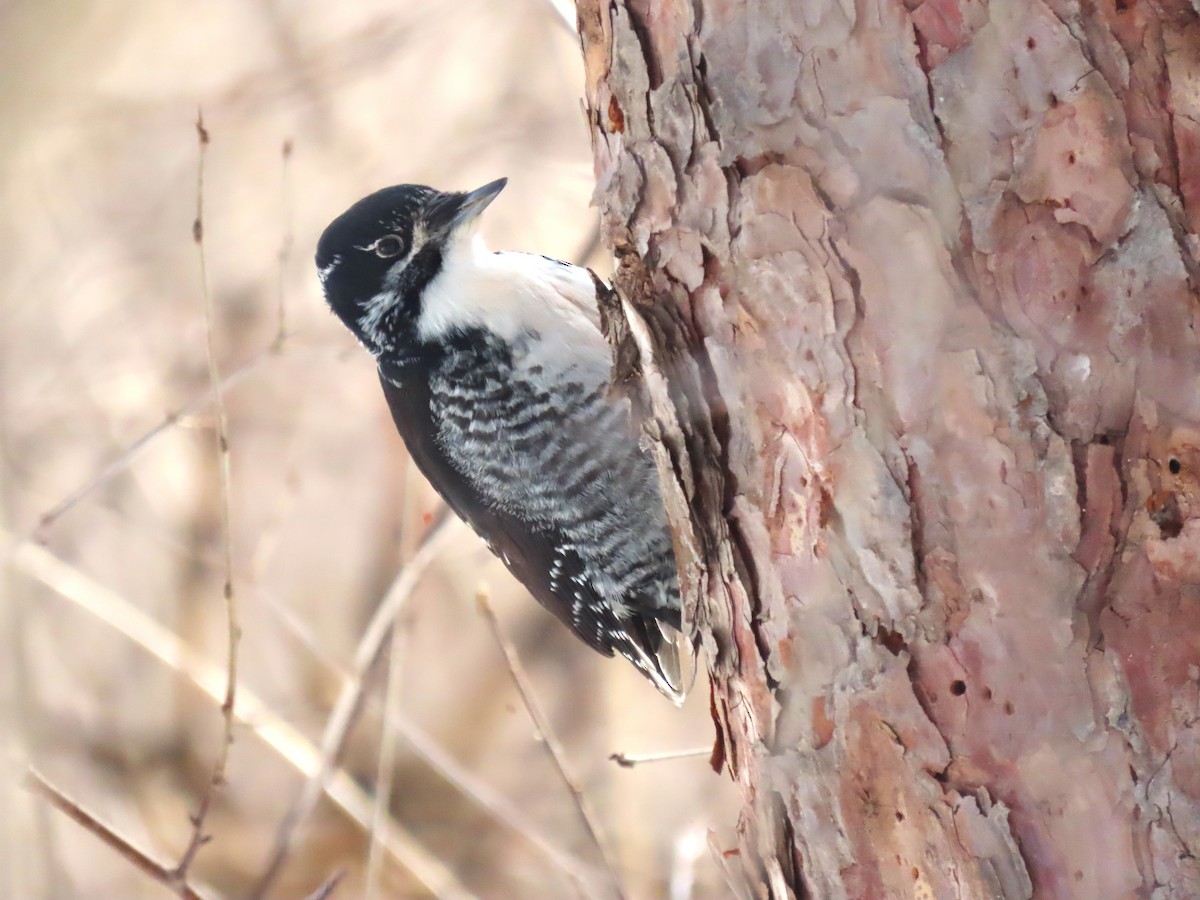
910, 310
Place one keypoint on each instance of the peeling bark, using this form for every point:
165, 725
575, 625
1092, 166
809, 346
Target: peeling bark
910, 306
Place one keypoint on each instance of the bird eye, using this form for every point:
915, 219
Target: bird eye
388, 247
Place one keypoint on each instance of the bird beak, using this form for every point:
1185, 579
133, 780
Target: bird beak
456, 210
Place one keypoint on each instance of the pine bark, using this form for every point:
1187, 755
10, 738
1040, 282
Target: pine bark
910, 314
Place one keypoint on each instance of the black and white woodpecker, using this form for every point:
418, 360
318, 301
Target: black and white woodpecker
497, 376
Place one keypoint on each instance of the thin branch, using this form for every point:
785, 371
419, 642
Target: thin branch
278, 734
135, 449
735, 876
286, 241
325, 891
43, 566
385, 769
424, 747
349, 702
217, 779
498, 806
629, 760
549, 740
170, 878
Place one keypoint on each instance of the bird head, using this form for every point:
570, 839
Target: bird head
376, 258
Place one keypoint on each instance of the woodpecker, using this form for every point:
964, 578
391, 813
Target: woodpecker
496, 373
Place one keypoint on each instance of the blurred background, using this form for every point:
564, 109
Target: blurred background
111, 607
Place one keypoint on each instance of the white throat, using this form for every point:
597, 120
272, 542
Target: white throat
508, 294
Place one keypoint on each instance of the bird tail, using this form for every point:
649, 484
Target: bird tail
665, 656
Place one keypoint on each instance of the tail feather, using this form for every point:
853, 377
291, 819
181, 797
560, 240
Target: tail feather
664, 655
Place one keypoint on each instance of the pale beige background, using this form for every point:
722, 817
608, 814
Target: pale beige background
102, 335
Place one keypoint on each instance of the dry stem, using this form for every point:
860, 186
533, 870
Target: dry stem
217, 779
278, 734
172, 879
549, 740
349, 703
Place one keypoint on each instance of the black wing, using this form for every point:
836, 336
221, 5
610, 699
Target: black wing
540, 558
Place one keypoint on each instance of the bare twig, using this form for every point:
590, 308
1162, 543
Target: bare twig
109, 607
226, 383
386, 764
217, 779
349, 703
735, 876
325, 891
169, 878
133, 450
487, 798
549, 740
424, 747
629, 760
501, 808
279, 735
285, 242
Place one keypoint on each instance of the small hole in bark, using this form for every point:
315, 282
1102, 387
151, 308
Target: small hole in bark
958, 687
1009, 709
940, 777
987, 693
891, 640
1030, 43
1071, 158
824, 507
1122, 5
1078, 875
1053, 98
616, 118
1174, 465
1165, 513
916, 873
899, 816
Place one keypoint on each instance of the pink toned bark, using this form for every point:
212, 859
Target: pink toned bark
911, 307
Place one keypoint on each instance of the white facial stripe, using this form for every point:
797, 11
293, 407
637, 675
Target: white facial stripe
377, 340
374, 245
324, 272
